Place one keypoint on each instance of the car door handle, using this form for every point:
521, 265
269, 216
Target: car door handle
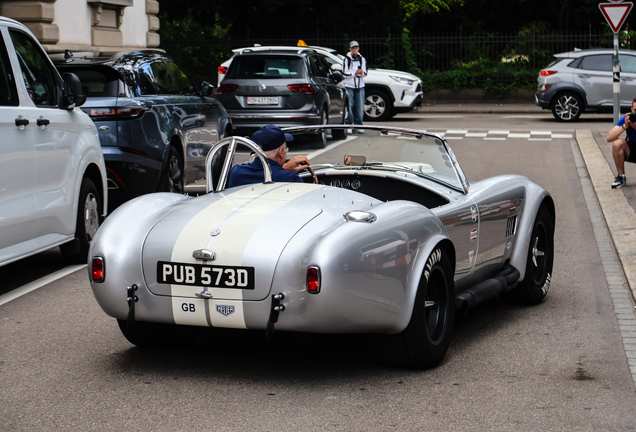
585, 76
43, 122
21, 122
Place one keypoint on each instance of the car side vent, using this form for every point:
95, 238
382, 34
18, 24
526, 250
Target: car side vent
511, 226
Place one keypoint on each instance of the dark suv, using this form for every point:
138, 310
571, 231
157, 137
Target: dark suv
155, 127
286, 88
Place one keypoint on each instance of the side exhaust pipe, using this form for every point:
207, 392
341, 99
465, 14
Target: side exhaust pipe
502, 282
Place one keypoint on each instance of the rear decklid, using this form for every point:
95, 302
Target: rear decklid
244, 231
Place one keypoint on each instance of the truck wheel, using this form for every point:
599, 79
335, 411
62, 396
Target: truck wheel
89, 217
425, 341
536, 282
567, 107
377, 105
172, 176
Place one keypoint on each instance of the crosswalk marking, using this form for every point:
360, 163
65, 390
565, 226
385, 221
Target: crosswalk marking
500, 135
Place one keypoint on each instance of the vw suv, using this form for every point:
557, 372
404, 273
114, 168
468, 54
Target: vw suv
283, 87
387, 92
581, 81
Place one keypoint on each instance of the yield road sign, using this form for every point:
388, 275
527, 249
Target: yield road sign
615, 13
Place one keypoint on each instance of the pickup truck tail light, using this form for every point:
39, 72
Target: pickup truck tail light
302, 88
98, 273
313, 280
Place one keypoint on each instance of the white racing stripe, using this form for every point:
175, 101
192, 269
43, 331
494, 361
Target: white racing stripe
25, 289
238, 216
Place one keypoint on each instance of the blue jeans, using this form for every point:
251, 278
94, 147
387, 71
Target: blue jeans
356, 105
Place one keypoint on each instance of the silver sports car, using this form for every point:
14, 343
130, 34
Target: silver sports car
386, 237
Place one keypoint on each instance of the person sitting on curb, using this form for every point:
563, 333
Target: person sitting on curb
623, 149
273, 142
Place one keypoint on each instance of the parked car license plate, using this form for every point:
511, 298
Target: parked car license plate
205, 275
252, 100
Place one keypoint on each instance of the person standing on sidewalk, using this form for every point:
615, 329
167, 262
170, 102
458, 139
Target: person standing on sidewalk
623, 149
355, 69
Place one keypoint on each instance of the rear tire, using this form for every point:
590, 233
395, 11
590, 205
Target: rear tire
377, 105
536, 282
425, 341
567, 107
320, 141
340, 134
156, 335
89, 218
172, 176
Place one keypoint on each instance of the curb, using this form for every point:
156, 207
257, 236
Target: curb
619, 214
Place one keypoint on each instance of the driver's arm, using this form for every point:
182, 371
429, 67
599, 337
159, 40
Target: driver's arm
297, 163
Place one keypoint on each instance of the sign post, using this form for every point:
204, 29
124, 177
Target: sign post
615, 14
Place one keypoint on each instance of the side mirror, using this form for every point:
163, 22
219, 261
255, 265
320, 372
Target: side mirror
337, 76
207, 89
355, 160
72, 92
336, 67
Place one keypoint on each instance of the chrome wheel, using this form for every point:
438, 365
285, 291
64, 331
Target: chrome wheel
91, 216
374, 106
567, 107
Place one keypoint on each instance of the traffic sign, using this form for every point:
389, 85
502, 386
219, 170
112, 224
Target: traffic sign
615, 13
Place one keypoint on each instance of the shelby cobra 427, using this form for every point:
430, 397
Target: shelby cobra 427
389, 243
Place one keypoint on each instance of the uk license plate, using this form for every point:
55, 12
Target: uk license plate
205, 275
253, 100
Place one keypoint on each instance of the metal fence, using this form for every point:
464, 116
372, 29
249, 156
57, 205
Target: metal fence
526, 51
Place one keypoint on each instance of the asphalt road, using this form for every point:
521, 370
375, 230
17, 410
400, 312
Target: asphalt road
558, 366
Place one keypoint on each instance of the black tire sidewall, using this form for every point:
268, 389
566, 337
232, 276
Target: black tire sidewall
164, 181
87, 187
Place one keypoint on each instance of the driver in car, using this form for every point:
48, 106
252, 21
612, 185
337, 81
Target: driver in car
273, 142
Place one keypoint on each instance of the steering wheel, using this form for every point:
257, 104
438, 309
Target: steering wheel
313, 174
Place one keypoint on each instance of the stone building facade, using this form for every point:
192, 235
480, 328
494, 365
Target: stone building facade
88, 25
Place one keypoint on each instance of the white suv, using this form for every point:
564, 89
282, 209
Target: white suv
52, 174
387, 92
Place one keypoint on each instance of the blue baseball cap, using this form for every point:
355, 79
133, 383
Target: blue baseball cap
354, 44
270, 137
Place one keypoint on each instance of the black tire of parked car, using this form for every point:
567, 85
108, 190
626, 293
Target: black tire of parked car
377, 105
89, 218
425, 341
156, 335
172, 176
320, 140
567, 106
536, 282
340, 134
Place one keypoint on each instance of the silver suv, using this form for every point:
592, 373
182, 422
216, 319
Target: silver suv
581, 81
52, 173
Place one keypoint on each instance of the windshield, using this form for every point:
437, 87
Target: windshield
414, 152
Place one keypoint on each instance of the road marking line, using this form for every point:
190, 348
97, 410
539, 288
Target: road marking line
495, 139
497, 132
330, 147
39, 283
539, 139
540, 133
456, 131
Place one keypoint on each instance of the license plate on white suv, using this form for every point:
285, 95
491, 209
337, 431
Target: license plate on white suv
254, 100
